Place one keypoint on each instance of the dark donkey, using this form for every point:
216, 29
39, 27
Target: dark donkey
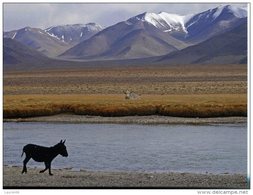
43, 154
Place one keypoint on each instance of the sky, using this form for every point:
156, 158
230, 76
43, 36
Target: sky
44, 15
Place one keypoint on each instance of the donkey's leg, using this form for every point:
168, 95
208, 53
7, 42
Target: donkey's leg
49, 168
46, 167
27, 158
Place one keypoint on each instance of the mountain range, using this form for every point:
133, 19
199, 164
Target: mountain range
54, 40
73, 34
225, 48
17, 54
217, 35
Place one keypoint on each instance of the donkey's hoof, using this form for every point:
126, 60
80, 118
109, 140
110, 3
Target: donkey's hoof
23, 172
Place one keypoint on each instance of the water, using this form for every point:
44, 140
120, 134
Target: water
149, 148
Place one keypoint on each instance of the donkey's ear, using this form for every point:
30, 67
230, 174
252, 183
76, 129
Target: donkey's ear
61, 141
64, 142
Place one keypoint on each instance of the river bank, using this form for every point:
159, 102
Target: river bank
65, 178
152, 119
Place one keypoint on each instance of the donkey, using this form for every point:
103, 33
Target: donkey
43, 154
131, 95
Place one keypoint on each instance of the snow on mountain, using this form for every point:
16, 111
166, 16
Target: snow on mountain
38, 39
213, 14
144, 35
177, 23
236, 11
212, 22
73, 33
163, 21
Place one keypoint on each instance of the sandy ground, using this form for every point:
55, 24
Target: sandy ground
68, 118
64, 178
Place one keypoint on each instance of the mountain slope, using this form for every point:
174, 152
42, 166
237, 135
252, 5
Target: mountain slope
39, 40
163, 21
75, 33
139, 43
226, 48
143, 36
212, 22
195, 28
157, 34
109, 40
15, 53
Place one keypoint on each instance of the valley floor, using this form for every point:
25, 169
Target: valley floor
178, 91
175, 80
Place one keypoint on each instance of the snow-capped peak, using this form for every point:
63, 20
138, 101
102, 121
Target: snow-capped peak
75, 26
238, 12
173, 22
94, 24
164, 21
93, 27
73, 33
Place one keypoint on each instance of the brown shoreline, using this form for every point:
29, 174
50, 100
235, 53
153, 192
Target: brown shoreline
64, 178
152, 119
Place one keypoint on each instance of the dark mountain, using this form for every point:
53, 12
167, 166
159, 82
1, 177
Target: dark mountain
19, 57
127, 39
215, 36
226, 48
74, 33
212, 22
150, 34
39, 40
15, 54
139, 43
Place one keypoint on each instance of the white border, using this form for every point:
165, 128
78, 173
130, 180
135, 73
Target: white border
112, 192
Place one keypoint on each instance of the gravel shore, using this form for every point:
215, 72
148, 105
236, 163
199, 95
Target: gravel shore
65, 178
153, 119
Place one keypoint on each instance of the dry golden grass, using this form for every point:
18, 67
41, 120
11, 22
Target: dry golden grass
206, 105
201, 91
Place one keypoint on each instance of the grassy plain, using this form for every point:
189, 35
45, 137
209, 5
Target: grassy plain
176, 91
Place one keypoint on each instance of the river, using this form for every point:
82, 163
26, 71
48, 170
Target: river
148, 148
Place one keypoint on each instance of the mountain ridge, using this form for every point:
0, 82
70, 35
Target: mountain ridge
15, 54
178, 31
74, 33
146, 37
229, 47
54, 40
39, 40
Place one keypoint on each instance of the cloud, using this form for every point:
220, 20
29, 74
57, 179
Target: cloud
20, 15
43, 15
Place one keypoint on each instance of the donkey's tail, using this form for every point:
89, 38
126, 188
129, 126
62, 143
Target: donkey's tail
22, 152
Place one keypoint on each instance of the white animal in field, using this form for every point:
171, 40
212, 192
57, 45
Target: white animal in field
131, 95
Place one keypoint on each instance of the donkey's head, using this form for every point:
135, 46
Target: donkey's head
61, 148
